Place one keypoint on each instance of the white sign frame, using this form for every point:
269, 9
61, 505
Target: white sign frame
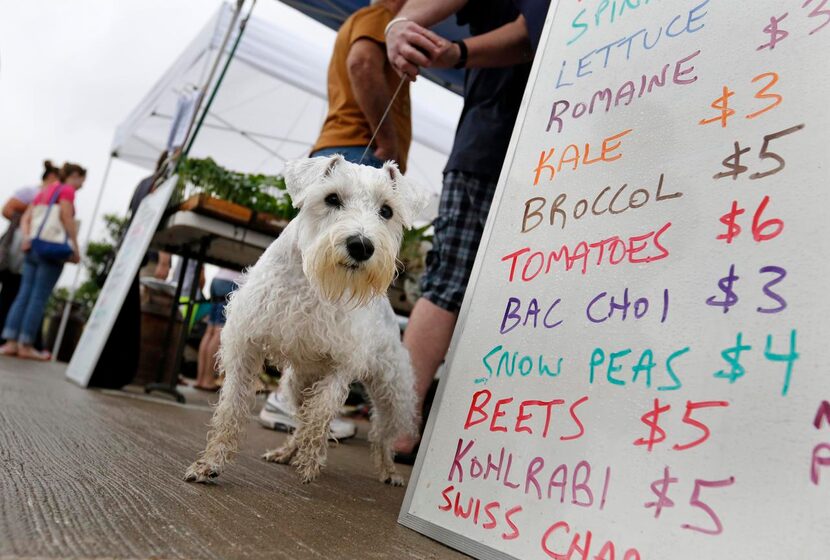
454, 539
127, 262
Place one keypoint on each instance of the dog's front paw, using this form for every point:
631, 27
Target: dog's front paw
307, 467
201, 471
281, 455
392, 479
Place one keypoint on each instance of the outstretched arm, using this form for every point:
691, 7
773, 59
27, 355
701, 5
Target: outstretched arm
504, 46
365, 63
163, 266
67, 213
409, 44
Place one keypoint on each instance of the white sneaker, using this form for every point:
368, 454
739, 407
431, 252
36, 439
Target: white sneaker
278, 414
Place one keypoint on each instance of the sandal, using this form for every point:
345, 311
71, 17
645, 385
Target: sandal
32, 354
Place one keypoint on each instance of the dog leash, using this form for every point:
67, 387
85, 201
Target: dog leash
383, 118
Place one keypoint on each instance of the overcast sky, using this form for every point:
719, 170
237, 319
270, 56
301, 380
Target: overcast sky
71, 71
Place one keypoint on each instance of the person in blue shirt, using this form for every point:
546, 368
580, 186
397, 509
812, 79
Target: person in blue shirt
496, 59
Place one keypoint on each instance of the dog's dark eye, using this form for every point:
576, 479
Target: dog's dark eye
334, 201
386, 212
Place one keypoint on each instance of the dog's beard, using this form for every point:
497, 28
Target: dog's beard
342, 280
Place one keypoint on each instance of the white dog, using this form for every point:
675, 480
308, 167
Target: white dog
314, 305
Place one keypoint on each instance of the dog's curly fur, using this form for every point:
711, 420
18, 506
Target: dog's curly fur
322, 317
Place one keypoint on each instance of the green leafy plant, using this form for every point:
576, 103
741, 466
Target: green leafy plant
412, 258
261, 193
414, 246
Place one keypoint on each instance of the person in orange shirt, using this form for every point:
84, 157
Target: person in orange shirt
361, 83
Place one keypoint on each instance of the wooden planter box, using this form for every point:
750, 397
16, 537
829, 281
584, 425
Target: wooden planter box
268, 223
234, 213
217, 208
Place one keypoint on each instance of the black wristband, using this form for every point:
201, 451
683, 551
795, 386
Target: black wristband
462, 58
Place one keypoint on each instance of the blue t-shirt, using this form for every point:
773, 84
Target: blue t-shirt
492, 96
535, 12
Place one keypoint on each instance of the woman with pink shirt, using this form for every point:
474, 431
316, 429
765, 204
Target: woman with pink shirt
40, 274
11, 253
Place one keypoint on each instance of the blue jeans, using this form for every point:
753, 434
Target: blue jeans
351, 154
26, 313
219, 292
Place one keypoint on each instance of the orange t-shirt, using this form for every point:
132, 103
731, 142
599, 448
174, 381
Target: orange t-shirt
345, 124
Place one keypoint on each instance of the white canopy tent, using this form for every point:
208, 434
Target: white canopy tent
272, 102
270, 105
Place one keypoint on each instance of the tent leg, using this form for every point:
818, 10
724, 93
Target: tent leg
68, 306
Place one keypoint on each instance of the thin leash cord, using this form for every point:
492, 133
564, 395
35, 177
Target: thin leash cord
382, 119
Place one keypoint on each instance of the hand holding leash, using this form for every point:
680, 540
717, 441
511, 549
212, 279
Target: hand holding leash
410, 46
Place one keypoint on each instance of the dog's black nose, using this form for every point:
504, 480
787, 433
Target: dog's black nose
360, 248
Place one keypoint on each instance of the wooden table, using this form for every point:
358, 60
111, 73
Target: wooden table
227, 245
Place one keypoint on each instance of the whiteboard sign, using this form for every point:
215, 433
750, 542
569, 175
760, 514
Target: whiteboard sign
642, 364
121, 276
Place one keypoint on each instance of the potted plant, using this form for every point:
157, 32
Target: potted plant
405, 290
257, 201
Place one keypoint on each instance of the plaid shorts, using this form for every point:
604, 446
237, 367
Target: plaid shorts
462, 213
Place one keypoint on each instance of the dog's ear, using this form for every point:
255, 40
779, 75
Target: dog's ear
302, 173
411, 199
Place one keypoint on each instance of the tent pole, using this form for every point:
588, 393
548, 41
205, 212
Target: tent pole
68, 305
242, 25
191, 133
